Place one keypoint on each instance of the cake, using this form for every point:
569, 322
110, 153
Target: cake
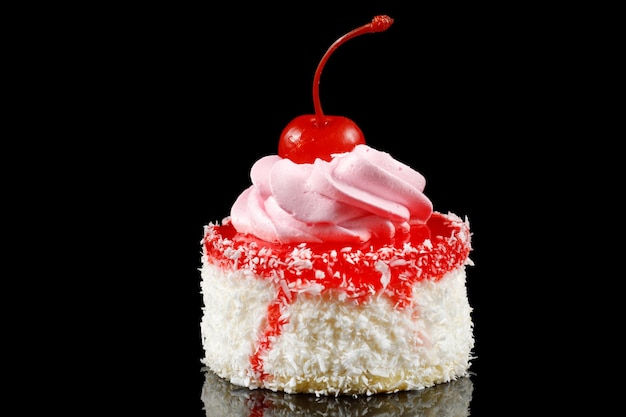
223, 399
333, 274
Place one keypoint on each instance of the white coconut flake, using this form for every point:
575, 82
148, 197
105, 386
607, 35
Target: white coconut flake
301, 264
285, 287
398, 262
310, 288
385, 272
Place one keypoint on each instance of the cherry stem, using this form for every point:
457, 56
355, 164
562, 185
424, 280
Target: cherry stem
378, 24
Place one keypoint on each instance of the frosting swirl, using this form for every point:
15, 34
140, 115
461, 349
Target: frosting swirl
354, 197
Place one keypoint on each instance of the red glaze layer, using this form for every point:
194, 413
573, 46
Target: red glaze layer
431, 250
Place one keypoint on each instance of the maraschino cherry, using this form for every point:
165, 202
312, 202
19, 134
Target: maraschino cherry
312, 136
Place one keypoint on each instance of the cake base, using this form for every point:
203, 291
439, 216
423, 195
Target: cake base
333, 346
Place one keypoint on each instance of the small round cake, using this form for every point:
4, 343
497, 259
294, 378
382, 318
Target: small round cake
333, 274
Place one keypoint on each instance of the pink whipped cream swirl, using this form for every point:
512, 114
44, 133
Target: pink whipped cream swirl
354, 197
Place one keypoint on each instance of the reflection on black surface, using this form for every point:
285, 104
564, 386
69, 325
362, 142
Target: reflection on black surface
223, 399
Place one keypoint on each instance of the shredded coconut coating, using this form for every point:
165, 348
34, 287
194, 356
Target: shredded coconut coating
338, 321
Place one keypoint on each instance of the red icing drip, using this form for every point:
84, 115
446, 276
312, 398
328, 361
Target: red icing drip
391, 267
274, 323
256, 406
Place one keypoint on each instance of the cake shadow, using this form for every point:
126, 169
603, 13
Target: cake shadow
223, 399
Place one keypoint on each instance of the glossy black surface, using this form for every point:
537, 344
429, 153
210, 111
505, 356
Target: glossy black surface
173, 105
222, 399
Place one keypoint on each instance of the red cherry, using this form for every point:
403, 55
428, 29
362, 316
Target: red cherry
312, 136
303, 139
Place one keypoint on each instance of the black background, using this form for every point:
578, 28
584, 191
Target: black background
165, 109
